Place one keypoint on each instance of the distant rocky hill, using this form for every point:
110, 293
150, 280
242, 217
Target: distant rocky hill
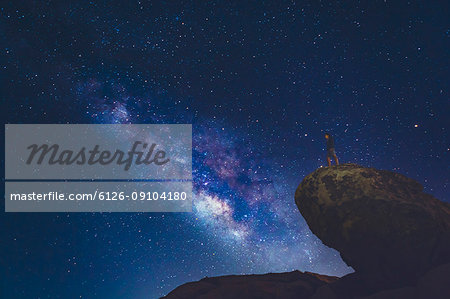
294, 284
396, 237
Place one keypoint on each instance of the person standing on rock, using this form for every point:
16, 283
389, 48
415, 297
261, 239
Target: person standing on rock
331, 153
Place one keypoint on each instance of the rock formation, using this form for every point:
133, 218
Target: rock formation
381, 222
396, 237
294, 284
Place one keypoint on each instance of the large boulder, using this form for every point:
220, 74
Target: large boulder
381, 222
396, 237
296, 284
434, 284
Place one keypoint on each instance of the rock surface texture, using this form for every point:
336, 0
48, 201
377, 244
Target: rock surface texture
381, 222
396, 238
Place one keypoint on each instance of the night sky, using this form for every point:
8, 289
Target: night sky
261, 82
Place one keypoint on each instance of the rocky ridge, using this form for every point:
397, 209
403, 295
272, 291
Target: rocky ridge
395, 236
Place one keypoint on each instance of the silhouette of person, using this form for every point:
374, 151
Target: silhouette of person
331, 153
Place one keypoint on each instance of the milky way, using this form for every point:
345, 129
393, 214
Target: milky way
260, 82
238, 201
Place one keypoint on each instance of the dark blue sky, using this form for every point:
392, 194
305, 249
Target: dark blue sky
261, 82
